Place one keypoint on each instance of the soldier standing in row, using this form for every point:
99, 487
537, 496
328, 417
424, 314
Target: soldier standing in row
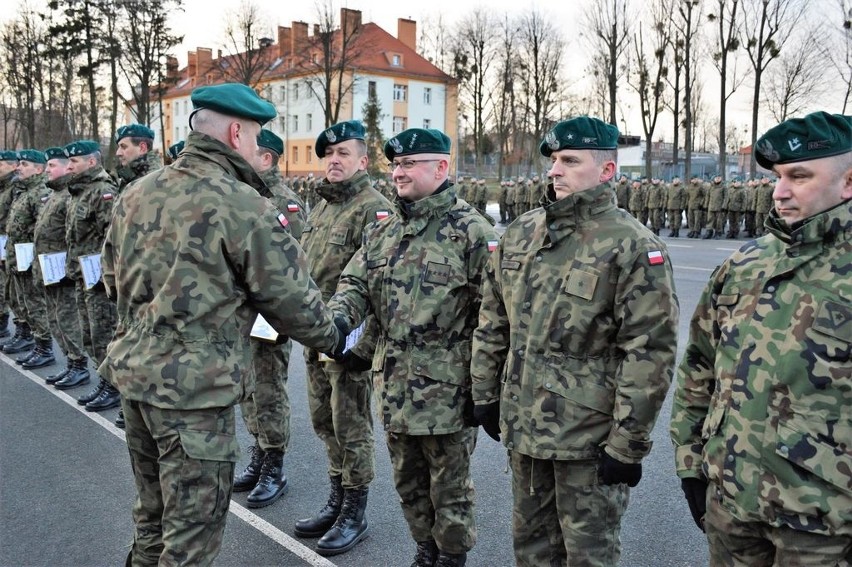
656, 205
8, 165
501, 203
482, 197
134, 153
420, 273
266, 413
622, 192
714, 203
510, 201
675, 200
636, 201
574, 353
749, 212
762, 204
695, 194
736, 196
521, 196
536, 188
760, 417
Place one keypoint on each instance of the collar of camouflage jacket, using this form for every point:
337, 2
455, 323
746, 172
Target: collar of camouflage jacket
80, 181
271, 177
142, 165
199, 145
829, 226
436, 204
578, 206
341, 192
32, 182
59, 183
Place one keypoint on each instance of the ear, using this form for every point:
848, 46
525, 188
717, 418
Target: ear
607, 171
846, 192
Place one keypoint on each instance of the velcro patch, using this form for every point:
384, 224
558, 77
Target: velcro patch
492, 245
283, 220
107, 196
380, 215
437, 273
655, 258
292, 208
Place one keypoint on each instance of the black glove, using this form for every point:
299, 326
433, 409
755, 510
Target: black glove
343, 330
488, 416
613, 471
281, 339
695, 490
354, 363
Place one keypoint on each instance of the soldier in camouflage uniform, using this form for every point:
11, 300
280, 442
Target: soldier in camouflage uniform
339, 392
501, 203
695, 195
462, 191
181, 354
675, 201
175, 150
8, 165
574, 353
60, 299
482, 197
510, 201
656, 205
636, 200
762, 204
760, 418
420, 273
622, 192
749, 212
266, 413
536, 191
135, 157
735, 208
522, 192
715, 201
30, 192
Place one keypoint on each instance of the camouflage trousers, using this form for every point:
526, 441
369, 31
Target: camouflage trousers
432, 478
340, 413
5, 300
563, 516
30, 299
734, 218
62, 316
716, 221
183, 467
734, 543
695, 219
749, 218
266, 412
97, 319
656, 219
759, 220
675, 219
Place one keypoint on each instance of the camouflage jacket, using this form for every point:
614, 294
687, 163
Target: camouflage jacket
675, 196
193, 254
715, 197
522, 193
736, 196
337, 224
26, 204
695, 193
763, 201
510, 195
87, 216
656, 196
141, 166
5, 199
577, 331
419, 273
285, 199
622, 194
536, 193
50, 225
764, 390
638, 198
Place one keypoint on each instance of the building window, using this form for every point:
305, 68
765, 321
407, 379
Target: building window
397, 60
399, 93
309, 154
185, 111
295, 124
282, 121
296, 91
427, 123
371, 89
295, 154
309, 122
427, 95
399, 124
283, 93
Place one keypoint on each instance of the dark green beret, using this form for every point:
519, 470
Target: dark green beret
233, 99
418, 141
815, 136
134, 131
55, 153
175, 149
34, 156
340, 132
82, 148
8, 156
581, 133
268, 139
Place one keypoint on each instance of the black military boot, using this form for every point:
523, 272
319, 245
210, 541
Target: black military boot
709, 234
247, 479
93, 393
25, 340
272, 484
52, 379
119, 420
78, 374
325, 518
451, 560
42, 355
351, 525
426, 554
14, 336
5, 333
108, 398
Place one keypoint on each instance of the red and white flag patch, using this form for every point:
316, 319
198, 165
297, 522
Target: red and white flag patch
381, 215
492, 245
107, 196
292, 208
283, 220
655, 257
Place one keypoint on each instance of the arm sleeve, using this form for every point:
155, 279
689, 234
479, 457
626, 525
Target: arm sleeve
491, 336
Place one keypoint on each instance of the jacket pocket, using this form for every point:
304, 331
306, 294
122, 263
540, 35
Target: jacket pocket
819, 445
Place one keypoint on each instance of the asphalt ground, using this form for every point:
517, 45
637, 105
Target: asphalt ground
66, 489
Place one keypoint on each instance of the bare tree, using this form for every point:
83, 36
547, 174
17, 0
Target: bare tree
674, 80
798, 80
433, 43
244, 29
839, 51
727, 42
505, 115
609, 39
686, 22
767, 24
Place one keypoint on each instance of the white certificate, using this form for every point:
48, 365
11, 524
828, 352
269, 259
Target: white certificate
91, 266
351, 340
24, 253
263, 330
52, 267
3, 239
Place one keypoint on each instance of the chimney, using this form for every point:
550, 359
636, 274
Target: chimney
264, 42
205, 60
219, 55
406, 32
299, 36
350, 21
171, 68
316, 30
191, 65
283, 41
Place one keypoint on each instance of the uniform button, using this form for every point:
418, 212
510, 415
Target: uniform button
784, 450
514, 398
552, 226
548, 385
521, 353
527, 304
538, 258
510, 445
730, 458
418, 368
770, 288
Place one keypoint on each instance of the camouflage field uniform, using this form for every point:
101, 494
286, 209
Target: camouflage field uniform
622, 193
87, 217
763, 203
20, 227
6, 194
501, 202
141, 166
695, 194
714, 204
576, 340
675, 201
266, 413
735, 208
420, 273
510, 201
761, 408
636, 201
193, 255
521, 197
333, 235
749, 213
49, 236
656, 205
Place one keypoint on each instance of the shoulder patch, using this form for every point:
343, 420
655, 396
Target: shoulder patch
655, 258
283, 220
107, 196
292, 207
492, 245
380, 215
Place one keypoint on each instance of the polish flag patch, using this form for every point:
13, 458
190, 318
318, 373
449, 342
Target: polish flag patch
381, 215
492, 245
292, 208
283, 220
655, 257
107, 196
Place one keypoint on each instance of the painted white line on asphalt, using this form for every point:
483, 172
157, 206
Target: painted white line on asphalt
676, 267
679, 245
727, 249
255, 521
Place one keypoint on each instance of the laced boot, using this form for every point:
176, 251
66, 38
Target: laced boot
78, 374
25, 340
54, 378
247, 479
119, 419
42, 355
325, 518
351, 525
426, 554
108, 398
5, 333
13, 336
28, 355
709, 234
272, 484
451, 560
93, 393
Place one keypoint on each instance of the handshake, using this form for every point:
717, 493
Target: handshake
342, 353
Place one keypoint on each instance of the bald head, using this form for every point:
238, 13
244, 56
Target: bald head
239, 134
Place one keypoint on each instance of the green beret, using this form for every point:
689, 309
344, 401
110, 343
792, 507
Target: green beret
815, 136
8, 156
340, 132
134, 131
34, 156
268, 139
175, 149
418, 141
581, 133
55, 153
82, 148
232, 99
